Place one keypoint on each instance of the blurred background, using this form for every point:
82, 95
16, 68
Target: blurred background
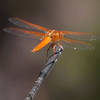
76, 74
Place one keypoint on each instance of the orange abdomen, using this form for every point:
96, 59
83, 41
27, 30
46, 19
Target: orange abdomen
43, 43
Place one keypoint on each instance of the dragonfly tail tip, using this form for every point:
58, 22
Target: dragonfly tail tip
34, 50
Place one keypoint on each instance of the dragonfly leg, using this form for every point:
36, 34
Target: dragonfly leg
59, 45
48, 51
53, 45
53, 48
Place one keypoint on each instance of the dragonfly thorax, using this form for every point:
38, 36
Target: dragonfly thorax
55, 36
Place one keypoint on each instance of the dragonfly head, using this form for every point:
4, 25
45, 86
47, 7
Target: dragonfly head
54, 35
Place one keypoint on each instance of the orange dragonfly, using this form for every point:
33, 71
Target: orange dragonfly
72, 39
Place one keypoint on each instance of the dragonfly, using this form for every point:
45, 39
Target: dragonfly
75, 40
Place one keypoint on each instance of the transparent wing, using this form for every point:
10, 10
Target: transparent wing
25, 24
76, 44
22, 32
88, 36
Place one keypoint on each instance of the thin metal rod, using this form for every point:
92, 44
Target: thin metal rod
44, 73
